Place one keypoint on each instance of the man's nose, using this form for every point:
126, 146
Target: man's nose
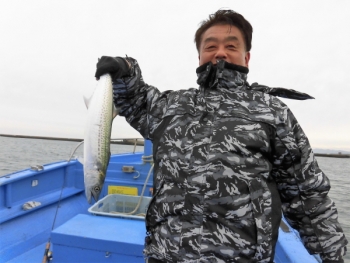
221, 53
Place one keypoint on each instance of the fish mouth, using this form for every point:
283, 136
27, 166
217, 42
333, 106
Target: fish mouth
88, 195
95, 195
92, 193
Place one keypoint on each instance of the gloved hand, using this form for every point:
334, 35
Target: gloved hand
117, 67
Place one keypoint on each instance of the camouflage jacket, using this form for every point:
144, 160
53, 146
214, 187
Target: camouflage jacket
228, 158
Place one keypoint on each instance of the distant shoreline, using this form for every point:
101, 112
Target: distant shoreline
124, 141
139, 142
334, 155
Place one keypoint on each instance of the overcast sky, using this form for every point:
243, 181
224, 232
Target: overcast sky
49, 50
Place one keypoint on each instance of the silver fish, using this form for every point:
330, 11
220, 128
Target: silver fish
101, 112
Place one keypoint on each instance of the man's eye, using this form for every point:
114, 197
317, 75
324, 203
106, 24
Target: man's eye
210, 47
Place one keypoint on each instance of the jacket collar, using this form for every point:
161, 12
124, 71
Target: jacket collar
229, 75
232, 75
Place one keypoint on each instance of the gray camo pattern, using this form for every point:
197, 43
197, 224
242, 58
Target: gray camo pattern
228, 158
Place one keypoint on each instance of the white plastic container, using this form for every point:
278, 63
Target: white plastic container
116, 205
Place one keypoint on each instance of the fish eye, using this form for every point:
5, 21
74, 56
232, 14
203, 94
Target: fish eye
96, 188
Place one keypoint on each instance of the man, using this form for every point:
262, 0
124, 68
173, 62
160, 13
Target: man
228, 157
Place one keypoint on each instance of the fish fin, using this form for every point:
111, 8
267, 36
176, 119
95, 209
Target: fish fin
87, 102
115, 111
81, 160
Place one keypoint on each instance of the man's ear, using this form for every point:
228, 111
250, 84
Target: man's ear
246, 59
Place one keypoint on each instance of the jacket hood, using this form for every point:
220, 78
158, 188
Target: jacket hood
281, 92
232, 75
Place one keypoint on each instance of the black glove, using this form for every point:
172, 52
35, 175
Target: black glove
117, 67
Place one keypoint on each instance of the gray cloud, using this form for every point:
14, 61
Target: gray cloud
49, 50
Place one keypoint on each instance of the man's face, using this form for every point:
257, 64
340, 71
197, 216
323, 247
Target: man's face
224, 42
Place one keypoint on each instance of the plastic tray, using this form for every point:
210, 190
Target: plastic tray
115, 205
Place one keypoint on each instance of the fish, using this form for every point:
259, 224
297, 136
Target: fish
101, 112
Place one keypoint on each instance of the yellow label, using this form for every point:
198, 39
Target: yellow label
122, 190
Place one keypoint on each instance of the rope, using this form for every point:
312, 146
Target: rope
47, 247
141, 196
71, 155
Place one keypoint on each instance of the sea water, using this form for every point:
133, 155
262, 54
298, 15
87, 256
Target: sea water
20, 153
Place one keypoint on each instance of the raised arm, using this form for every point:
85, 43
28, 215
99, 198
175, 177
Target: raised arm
142, 105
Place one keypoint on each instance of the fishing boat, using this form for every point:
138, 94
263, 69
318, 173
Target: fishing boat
44, 215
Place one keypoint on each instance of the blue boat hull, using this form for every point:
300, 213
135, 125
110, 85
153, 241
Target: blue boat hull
77, 235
